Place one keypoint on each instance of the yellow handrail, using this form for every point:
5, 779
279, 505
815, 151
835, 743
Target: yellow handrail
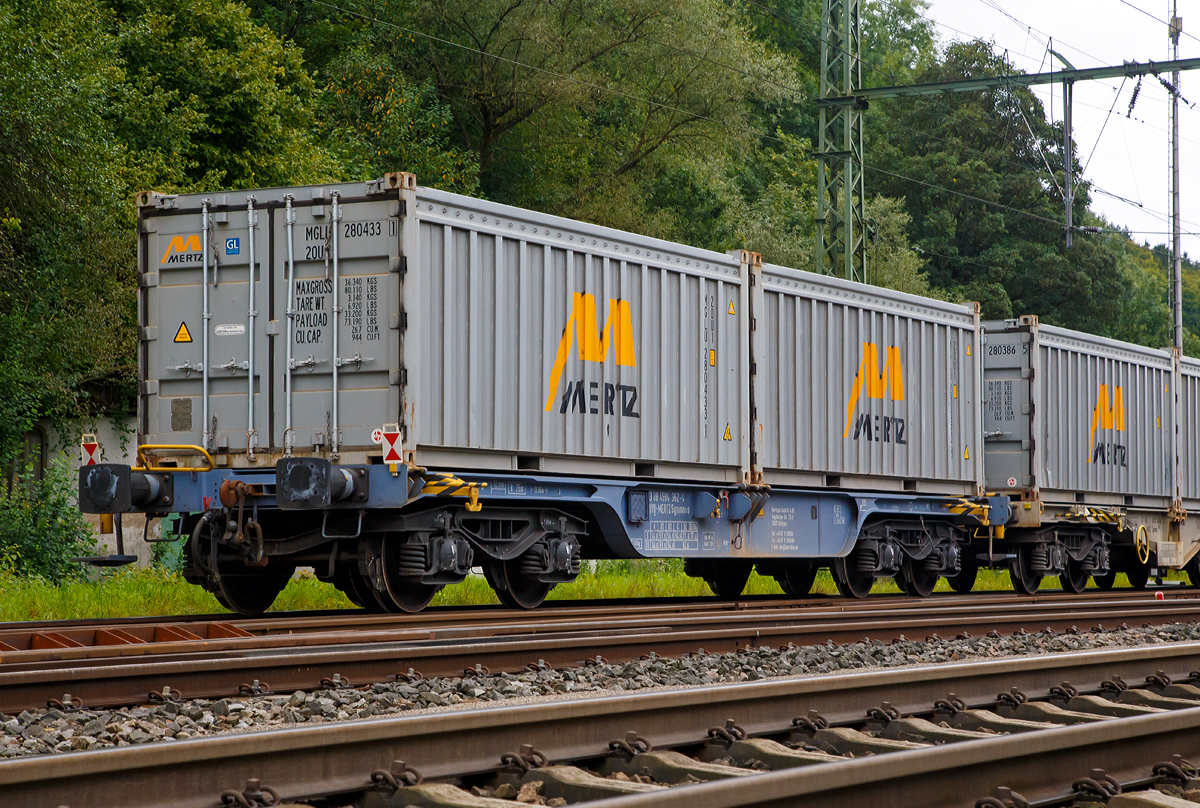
144, 459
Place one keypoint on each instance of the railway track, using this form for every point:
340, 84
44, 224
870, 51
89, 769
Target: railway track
104, 667
938, 736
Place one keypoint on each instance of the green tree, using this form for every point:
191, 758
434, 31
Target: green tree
212, 99
65, 301
994, 146
376, 121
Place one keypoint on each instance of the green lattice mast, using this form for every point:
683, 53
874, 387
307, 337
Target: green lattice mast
841, 248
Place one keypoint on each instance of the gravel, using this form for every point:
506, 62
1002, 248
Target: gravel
50, 731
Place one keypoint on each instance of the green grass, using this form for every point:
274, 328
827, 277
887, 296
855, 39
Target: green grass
154, 591
140, 592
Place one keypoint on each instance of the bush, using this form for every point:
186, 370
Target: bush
41, 528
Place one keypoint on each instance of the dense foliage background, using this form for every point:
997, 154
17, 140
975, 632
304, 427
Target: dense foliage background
689, 120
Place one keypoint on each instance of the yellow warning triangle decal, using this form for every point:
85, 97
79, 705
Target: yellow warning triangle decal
966, 453
731, 311
968, 350
183, 335
728, 434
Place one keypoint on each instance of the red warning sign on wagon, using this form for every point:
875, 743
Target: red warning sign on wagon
390, 441
89, 450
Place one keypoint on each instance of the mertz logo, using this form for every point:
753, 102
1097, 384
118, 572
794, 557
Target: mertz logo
1110, 417
878, 385
587, 397
183, 250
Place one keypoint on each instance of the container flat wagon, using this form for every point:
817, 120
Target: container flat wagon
394, 385
866, 389
1089, 437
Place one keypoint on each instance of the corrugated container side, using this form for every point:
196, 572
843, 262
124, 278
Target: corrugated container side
860, 381
1105, 412
1188, 432
593, 350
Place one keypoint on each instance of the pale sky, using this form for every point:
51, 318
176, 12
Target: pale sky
1131, 157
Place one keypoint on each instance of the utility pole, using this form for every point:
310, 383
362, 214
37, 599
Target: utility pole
1173, 31
1068, 78
841, 247
1068, 159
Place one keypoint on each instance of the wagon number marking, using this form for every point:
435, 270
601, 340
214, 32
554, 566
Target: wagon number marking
357, 229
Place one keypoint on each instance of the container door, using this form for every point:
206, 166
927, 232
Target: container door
361, 307
1007, 410
237, 416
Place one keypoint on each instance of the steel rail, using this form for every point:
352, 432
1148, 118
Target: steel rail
220, 668
332, 759
1038, 765
106, 639
284, 622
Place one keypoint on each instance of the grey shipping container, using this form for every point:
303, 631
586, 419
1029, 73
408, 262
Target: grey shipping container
1072, 418
1188, 432
495, 337
862, 386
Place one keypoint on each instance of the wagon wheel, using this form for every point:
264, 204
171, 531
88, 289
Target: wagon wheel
1138, 575
1074, 578
344, 581
728, 580
1193, 570
796, 578
1106, 580
407, 595
850, 582
964, 582
1025, 580
515, 589
913, 579
250, 592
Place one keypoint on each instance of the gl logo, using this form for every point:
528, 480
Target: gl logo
233, 246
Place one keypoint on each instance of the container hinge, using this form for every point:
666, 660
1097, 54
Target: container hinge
149, 225
149, 387
753, 368
149, 333
398, 377
398, 321
398, 264
149, 280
